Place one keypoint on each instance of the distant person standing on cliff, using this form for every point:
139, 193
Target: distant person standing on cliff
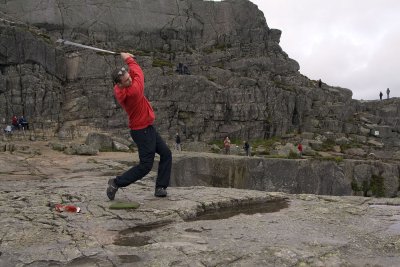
129, 92
300, 148
246, 148
14, 123
387, 92
380, 95
178, 142
227, 145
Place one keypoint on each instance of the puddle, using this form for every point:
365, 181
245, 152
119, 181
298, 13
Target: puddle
224, 213
132, 241
395, 228
82, 261
129, 258
394, 217
144, 228
131, 238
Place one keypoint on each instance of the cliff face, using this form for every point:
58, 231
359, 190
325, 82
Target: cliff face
321, 177
241, 82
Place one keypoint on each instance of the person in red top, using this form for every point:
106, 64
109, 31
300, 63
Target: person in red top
129, 92
300, 148
14, 122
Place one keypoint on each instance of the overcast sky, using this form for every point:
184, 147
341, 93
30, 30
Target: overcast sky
353, 44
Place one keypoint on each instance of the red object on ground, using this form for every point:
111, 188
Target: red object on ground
68, 208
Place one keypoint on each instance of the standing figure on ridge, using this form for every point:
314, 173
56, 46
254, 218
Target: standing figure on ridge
227, 146
178, 142
246, 148
14, 123
300, 148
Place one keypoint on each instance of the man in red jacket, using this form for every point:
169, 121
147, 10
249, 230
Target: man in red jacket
129, 92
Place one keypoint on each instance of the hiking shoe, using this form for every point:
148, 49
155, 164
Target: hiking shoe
112, 189
160, 192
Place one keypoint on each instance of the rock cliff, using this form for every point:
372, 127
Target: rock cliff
242, 83
301, 176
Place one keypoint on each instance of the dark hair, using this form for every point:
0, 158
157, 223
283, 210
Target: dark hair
117, 74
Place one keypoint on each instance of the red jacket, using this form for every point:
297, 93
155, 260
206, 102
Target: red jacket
14, 121
300, 148
132, 98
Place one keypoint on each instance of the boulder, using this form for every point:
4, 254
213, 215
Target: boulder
100, 141
119, 147
58, 146
81, 149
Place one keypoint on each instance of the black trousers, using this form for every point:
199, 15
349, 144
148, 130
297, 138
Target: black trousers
149, 142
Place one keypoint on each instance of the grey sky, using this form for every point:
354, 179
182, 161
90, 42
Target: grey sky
353, 44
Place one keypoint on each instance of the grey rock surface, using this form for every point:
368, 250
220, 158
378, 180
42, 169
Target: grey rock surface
309, 230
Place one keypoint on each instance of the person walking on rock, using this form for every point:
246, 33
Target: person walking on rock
387, 93
129, 92
380, 95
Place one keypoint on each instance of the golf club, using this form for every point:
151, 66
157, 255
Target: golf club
65, 42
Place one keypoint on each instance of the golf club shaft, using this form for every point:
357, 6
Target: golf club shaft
65, 42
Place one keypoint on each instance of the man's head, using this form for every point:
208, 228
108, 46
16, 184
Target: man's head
121, 77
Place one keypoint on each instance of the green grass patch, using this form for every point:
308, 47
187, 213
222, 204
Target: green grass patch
377, 185
266, 143
365, 188
374, 186
285, 87
351, 145
142, 53
222, 46
328, 145
124, 205
275, 156
220, 143
293, 155
337, 159
219, 65
211, 79
354, 186
208, 50
157, 62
